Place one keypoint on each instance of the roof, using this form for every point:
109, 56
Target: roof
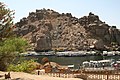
70, 66
85, 62
118, 61
104, 61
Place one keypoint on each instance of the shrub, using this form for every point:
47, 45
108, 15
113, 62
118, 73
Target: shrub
25, 66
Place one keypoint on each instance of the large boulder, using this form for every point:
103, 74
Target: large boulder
99, 44
43, 42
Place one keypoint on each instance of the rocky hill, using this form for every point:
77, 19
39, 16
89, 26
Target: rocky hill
50, 30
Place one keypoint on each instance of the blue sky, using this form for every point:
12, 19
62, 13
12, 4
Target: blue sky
107, 10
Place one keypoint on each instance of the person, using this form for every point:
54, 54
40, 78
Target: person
7, 76
103, 65
38, 72
116, 66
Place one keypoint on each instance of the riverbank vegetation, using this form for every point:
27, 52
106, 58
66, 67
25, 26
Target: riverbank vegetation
22, 66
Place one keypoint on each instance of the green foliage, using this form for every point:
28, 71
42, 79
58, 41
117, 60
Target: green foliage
6, 20
24, 66
9, 49
13, 45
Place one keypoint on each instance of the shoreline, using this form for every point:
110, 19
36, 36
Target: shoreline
71, 53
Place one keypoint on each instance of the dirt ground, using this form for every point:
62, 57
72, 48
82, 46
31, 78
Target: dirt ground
26, 76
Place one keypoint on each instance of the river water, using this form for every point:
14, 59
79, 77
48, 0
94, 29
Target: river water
72, 60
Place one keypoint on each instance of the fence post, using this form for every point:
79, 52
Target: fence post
107, 75
59, 74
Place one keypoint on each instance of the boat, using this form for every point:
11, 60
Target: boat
99, 63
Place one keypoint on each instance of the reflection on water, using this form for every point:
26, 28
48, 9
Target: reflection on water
71, 60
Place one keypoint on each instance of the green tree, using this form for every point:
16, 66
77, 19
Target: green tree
9, 49
6, 21
9, 46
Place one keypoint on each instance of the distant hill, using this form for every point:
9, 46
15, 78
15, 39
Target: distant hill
50, 30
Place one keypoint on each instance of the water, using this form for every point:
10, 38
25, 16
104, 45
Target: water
72, 60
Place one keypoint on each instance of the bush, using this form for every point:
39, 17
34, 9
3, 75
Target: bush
9, 49
25, 66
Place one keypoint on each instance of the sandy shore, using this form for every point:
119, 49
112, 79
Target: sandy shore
26, 76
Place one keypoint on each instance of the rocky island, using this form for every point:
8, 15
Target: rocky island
47, 29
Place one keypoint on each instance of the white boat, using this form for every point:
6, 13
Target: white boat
99, 63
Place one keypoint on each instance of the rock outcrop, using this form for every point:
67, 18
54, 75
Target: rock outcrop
47, 30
